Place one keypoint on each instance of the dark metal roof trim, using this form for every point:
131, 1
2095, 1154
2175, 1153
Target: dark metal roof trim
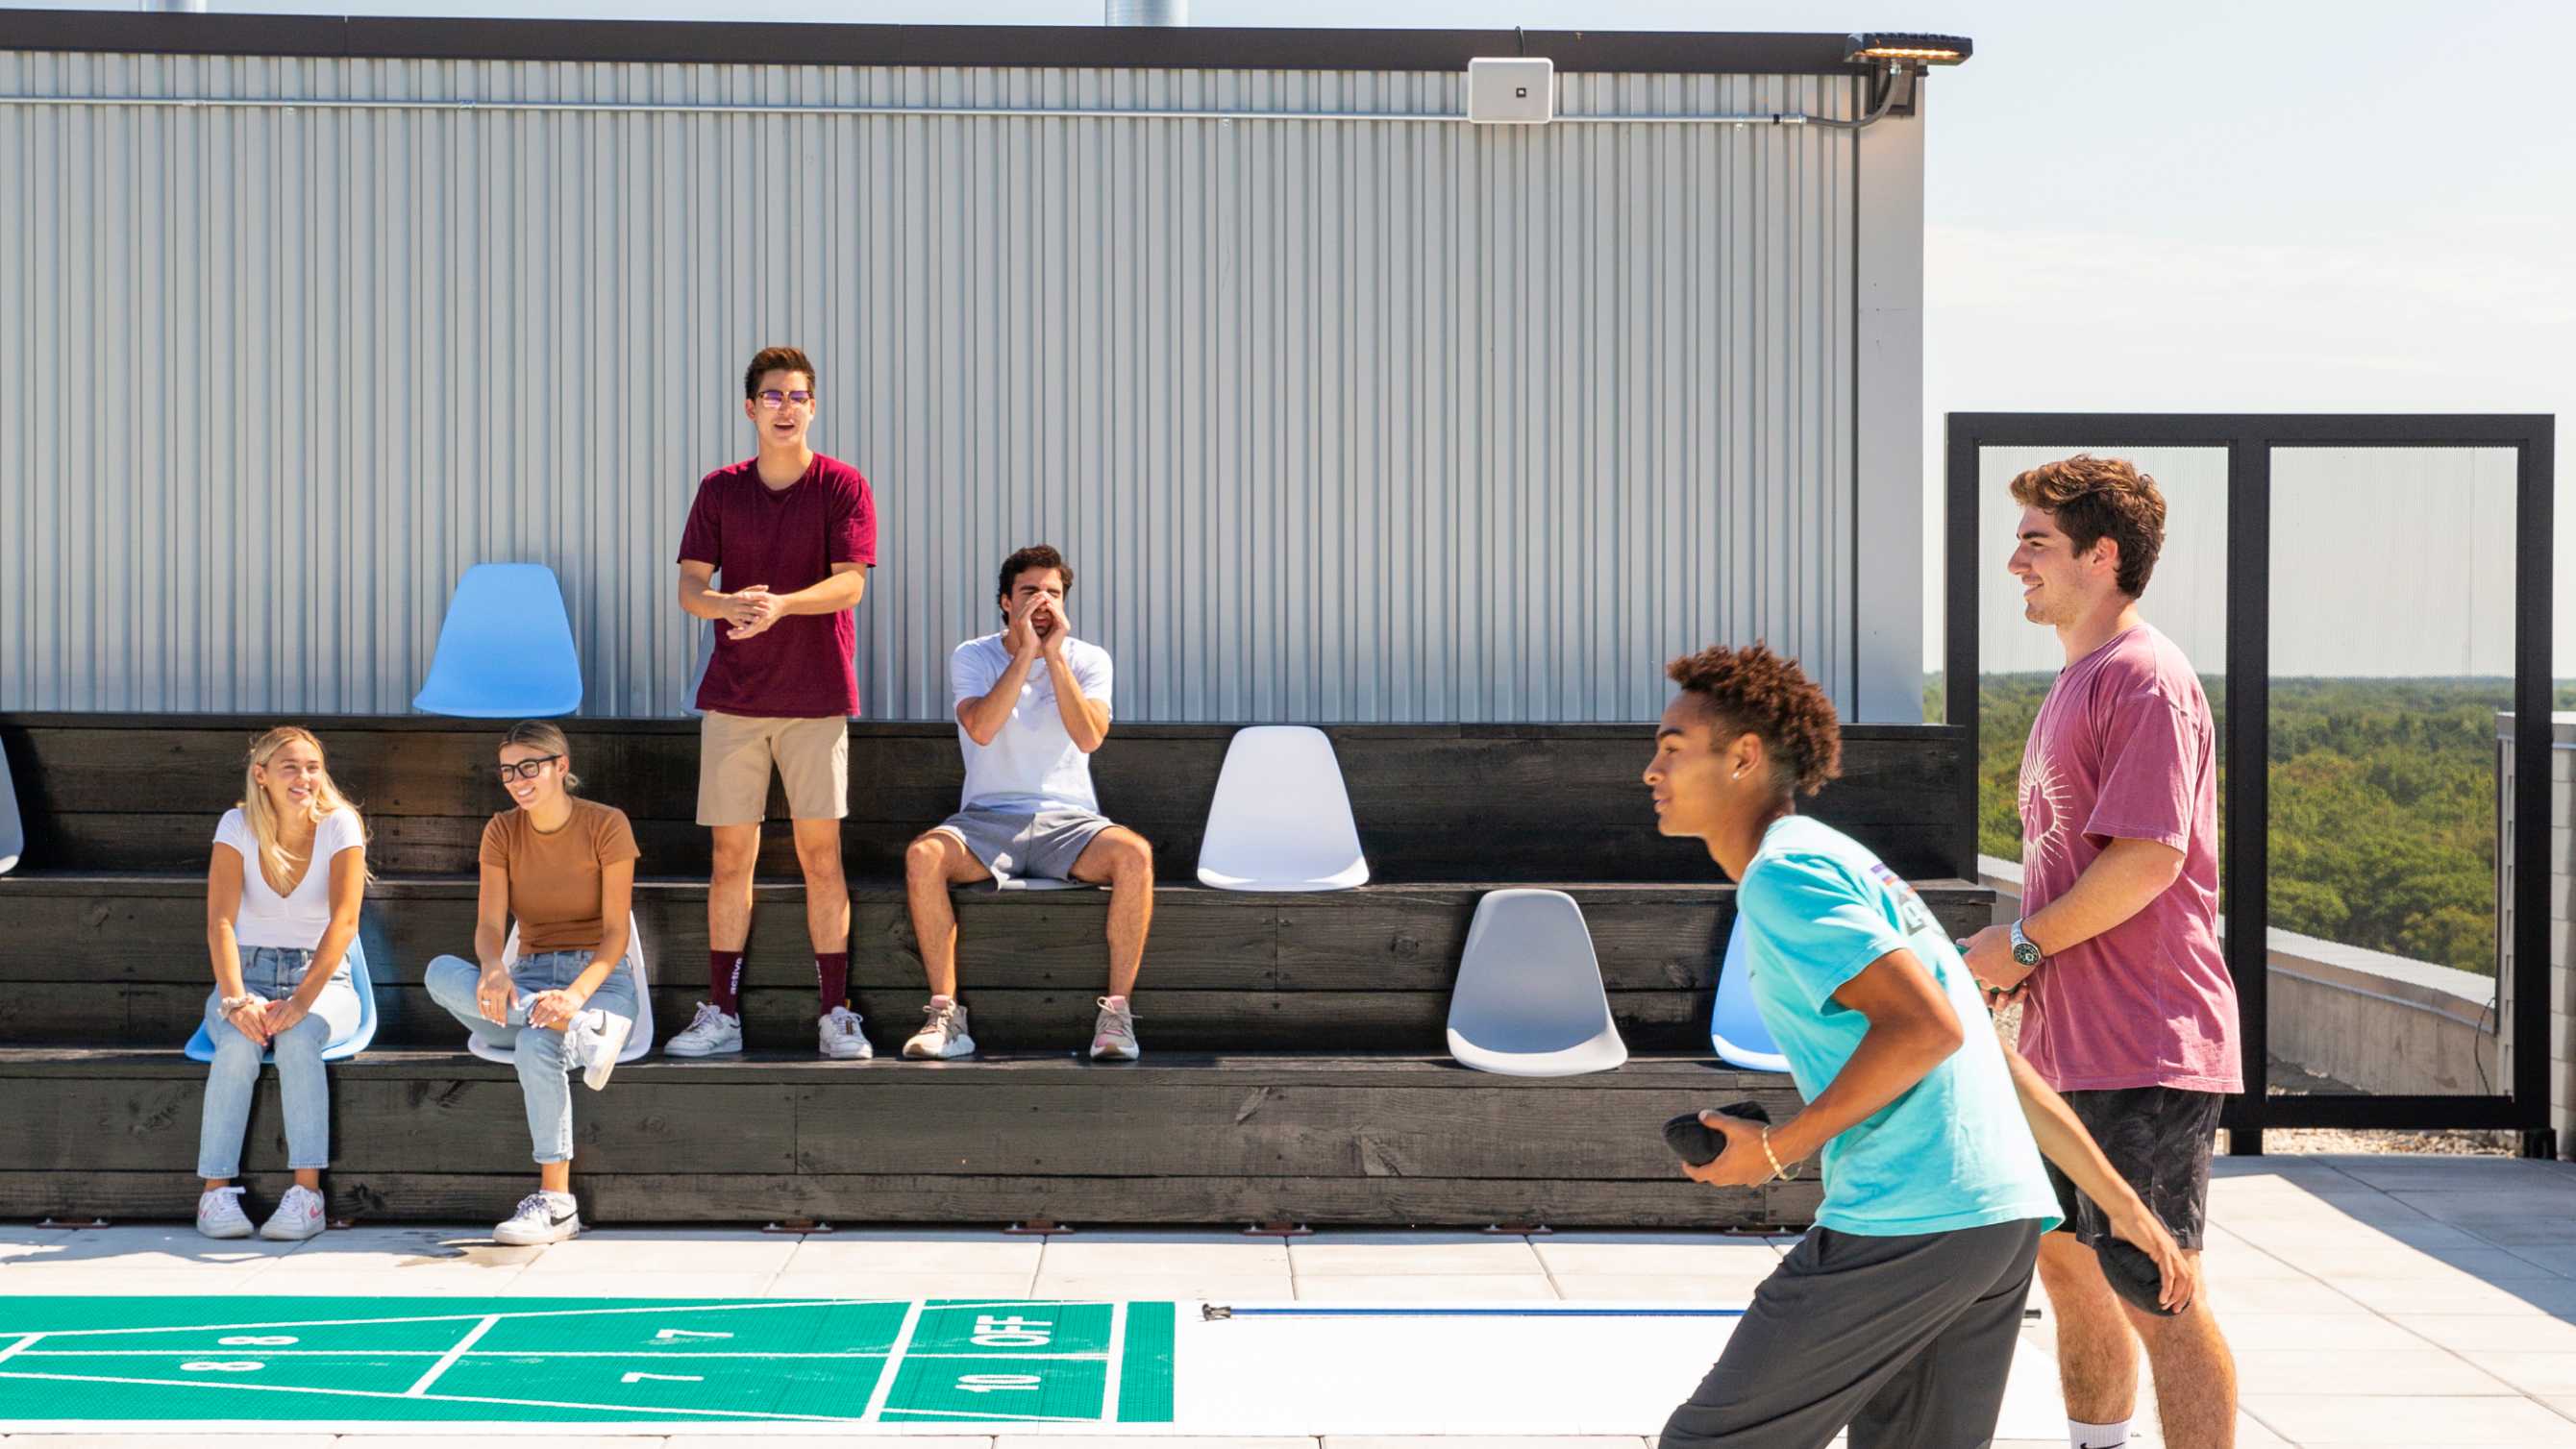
1049, 46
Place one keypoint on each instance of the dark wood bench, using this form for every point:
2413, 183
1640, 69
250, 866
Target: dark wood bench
1296, 1063
1176, 1138
119, 960
1484, 803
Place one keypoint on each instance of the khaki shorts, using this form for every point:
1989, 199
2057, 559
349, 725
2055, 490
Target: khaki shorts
735, 753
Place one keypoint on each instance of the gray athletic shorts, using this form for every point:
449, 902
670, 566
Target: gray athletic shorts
1043, 846
1905, 1340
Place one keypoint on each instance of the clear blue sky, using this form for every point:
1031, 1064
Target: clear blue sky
2192, 205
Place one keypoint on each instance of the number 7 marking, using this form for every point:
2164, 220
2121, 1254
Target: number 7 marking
637, 1378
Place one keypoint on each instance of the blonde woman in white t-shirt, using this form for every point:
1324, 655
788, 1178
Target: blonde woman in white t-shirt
282, 894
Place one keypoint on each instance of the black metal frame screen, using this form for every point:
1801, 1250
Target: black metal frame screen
2249, 440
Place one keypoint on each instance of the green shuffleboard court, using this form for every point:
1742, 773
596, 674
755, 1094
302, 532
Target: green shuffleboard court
588, 1360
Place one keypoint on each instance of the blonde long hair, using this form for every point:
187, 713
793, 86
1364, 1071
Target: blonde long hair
261, 814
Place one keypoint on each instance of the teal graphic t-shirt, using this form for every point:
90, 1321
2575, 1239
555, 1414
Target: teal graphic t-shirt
1954, 1151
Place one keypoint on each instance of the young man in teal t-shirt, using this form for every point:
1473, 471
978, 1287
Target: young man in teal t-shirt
1897, 1316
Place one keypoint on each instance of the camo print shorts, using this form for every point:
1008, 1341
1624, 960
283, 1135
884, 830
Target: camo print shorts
2158, 1139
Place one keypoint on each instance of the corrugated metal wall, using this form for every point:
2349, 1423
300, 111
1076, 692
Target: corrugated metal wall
1337, 420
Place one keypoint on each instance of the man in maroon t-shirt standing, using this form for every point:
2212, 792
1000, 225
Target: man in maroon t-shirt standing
792, 534
2128, 1008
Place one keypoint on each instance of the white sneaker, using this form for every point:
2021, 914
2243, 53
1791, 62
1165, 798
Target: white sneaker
542, 1217
299, 1216
943, 1036
837, 1036
1113, 1032
713, 1032
219, 1213
594, 1040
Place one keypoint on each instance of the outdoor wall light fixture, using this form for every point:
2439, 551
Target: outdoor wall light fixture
1901, 58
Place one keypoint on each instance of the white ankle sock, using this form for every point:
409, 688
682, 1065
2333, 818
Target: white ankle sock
2080, 1435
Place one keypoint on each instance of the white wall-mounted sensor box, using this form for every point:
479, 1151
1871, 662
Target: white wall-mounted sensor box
1512, 91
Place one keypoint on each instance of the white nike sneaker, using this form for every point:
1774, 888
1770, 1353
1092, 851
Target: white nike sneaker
219, 1213
837, 1036
299, 1216
594, 1040
943, 1036
542, 1217
713, 1032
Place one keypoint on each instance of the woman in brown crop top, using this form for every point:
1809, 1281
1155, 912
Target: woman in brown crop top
564, 868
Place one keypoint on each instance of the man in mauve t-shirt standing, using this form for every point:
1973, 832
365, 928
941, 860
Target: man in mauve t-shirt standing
2128, 1008
792, 534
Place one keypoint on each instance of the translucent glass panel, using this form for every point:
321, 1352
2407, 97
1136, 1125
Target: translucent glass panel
2392, 658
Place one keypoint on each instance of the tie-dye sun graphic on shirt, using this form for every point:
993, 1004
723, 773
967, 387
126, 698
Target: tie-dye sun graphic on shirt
2047, 822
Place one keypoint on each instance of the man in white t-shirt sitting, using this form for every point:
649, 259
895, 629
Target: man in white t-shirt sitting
1032, 704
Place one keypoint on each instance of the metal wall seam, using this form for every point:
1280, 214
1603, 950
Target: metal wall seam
1338, 421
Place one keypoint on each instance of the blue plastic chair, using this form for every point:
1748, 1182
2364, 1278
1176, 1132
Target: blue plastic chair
506, 649
201, 1047
1736, 1028
13, 828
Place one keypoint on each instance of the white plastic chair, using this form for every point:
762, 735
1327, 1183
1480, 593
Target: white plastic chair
1735, 1027
1529, 1000
13, 828
638, 1042
1281, 820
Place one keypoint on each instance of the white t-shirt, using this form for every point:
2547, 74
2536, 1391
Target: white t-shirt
295, 921
1032, 765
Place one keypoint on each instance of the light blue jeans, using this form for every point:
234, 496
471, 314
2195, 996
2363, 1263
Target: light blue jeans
544, 1069
273, 973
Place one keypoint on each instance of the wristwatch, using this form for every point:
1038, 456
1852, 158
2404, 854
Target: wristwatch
2025, 951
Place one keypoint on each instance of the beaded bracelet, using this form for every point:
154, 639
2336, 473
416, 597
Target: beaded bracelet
1782, 1173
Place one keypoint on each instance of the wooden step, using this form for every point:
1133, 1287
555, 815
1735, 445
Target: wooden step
1176, 1138
118, 960
1512, 803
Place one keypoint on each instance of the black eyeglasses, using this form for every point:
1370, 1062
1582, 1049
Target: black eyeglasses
773, 399
525, 769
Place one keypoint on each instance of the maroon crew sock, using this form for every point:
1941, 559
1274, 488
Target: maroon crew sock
724, 981
832, 974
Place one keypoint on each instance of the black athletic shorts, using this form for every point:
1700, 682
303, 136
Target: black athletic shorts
2159, 1140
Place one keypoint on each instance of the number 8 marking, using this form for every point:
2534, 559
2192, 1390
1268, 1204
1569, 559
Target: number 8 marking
257, 1340
223, 1365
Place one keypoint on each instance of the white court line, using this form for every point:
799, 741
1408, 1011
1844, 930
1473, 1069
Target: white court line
641, 1411
979, 1414
448, 1360
21, 1346
636, 1354
885, 1376
714, 1307
1117, 1354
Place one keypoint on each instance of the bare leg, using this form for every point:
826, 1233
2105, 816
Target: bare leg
827, 890
931, 864
555, 1176
2195, 1375
2097, 1353
309, 1177
737, 849
1122, 858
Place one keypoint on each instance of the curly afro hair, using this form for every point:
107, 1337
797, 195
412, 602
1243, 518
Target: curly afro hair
1754, 691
